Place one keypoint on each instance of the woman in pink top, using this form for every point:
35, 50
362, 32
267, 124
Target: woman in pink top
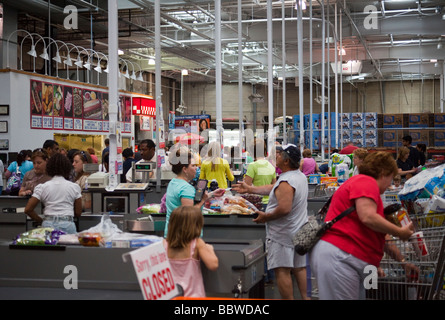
307, 164
185, 249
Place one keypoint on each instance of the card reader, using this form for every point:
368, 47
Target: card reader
201, 188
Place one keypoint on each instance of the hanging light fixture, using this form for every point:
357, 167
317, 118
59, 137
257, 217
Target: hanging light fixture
87, 65
68, 61
44, 55
57, 58
342, 51
184, 72
79, 62
98, 68
151, 62
33, 52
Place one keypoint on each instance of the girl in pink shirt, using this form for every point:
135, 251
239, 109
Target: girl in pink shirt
307, 164
185, 249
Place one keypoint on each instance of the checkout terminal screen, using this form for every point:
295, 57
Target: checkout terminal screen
144, 167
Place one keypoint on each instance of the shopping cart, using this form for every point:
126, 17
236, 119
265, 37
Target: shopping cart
421, 275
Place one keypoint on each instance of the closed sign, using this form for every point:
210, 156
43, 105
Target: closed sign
153, 271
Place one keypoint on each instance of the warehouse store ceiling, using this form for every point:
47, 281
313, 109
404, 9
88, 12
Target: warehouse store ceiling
393, 40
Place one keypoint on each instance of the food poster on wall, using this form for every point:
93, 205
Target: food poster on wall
47, 104
103, 96
92, 111
36, 104
124, 113
77, 109
58, 107
105, 103
68, 121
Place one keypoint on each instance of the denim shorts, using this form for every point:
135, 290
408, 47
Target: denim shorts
66, 226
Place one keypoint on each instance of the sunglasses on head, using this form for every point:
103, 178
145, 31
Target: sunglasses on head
84, 155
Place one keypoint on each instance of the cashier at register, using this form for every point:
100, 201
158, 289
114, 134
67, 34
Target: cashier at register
147, 149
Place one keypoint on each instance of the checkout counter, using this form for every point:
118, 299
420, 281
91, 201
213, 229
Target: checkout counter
13, 220
238, 243
127, 197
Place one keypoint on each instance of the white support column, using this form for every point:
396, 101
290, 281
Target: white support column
158, 82
300, 70
113, 90
270, 133
442, 87
218, 72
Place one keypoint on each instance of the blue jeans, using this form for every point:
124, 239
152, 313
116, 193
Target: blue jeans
66, 226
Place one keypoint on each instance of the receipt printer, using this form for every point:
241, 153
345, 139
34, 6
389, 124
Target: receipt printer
98, 180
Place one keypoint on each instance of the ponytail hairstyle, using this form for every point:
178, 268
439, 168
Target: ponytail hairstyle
21, 157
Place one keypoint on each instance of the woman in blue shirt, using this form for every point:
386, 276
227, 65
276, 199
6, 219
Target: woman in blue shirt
179, 191
22, 164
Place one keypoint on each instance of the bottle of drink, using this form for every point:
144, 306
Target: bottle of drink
390, 213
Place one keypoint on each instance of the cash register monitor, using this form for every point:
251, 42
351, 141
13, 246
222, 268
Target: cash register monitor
144, 166
116, 204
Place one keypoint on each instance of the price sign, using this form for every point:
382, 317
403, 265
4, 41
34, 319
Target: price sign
153, 271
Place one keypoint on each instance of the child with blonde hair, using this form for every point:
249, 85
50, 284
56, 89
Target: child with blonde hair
185, 249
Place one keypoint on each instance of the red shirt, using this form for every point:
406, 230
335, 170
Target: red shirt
348, 150
350, 234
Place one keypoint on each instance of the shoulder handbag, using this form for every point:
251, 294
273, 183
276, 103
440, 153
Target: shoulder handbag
14, 183
309, 234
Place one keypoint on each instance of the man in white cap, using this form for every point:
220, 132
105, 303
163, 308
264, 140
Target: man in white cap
286, 212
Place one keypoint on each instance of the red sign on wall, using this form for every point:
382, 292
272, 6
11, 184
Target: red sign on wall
144, 107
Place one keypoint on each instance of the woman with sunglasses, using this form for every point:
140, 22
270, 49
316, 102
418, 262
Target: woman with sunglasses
79, 159
37, 175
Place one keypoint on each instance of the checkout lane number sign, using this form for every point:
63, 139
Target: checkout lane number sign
153, 271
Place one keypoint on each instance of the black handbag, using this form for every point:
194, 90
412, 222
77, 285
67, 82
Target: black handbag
309, 234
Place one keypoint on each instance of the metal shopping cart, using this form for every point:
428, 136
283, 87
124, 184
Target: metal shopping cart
421, 274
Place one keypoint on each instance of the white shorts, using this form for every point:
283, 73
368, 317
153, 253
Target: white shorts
279, 256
